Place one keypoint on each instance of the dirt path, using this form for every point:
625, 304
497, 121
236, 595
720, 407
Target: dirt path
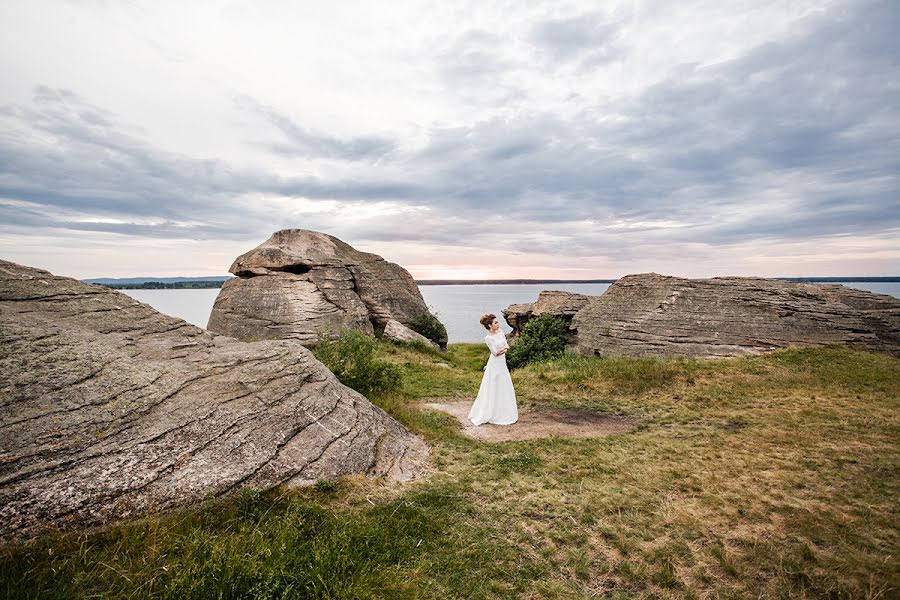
533, 424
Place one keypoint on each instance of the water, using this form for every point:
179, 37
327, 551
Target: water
458, 306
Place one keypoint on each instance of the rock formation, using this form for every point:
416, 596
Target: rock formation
652, 314
562, 304
300, 282
394, 330
109, 409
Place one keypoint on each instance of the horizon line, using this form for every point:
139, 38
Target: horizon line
442, 281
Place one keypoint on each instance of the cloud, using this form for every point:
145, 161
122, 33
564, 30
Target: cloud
301, 141
790, 138
588, 36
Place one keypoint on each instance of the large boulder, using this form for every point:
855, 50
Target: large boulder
109, 409
299, 283
651, 314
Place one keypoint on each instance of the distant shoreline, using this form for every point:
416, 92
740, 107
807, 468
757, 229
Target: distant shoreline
199, 283
892, 279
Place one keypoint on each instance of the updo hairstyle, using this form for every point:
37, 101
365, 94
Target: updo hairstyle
487, 319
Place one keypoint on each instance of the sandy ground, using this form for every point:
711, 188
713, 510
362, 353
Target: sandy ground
535, 423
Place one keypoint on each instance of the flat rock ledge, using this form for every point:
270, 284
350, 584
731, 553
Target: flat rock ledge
534, 423
561, 304
300, 282
110, 410
657, 315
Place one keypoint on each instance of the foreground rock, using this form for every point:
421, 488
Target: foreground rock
109, 409
652, 314
300, 282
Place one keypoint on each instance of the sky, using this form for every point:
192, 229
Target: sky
462, 140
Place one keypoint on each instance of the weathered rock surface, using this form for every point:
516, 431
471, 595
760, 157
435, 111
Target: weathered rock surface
650, 314
299, 282
109, 409
561, 304
397, 331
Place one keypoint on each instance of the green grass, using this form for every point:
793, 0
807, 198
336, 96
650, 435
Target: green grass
765, 477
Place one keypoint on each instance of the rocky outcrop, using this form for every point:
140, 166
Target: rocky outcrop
652, 314
109, 409
398, 332
298, 283
561, 304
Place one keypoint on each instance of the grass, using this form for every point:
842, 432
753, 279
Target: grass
764, 477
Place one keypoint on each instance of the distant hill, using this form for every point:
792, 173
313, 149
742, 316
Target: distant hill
890, 279
506, 281
138, 280
217, 280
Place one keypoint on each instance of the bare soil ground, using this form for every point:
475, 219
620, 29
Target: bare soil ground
535, 423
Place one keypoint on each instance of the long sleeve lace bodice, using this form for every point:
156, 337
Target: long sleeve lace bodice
496, 342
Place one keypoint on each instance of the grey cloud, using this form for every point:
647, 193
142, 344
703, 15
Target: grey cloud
478, 69
66, 155
564, 37
589, 38
301, 141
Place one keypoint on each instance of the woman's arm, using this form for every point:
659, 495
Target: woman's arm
498, 348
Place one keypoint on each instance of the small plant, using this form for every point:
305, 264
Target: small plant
325, 486
542, 338
250, 503
352, 359
430, 326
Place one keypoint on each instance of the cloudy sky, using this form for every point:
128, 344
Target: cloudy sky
459, 139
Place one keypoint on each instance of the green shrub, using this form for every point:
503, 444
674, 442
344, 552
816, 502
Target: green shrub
430, 326
542, 338
352, 359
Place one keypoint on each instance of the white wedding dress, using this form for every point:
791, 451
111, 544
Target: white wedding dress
496, 401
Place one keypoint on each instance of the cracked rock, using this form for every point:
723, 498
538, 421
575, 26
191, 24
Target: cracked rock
110, 409
657, 315
299, 282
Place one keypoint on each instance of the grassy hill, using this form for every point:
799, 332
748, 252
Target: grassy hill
773, 476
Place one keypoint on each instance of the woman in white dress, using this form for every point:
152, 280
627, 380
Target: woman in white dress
496, 401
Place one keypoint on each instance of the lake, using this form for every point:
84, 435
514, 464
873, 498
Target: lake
457, 306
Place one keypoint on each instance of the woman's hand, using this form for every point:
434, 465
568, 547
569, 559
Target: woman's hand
502, 351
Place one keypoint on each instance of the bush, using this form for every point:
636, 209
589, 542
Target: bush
542, 338
352, 359
431, 327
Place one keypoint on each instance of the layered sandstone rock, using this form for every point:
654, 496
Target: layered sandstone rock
561, 304
299, 283
109, 409
652, 314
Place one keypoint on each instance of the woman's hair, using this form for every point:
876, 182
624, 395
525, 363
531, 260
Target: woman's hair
487, 319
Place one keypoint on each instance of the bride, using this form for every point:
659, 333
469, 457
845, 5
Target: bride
496, 401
